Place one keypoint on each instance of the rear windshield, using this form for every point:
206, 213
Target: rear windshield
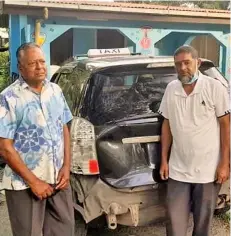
118, 93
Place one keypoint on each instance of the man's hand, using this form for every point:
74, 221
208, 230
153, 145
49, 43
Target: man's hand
41, 189
166, 141
63, 178
164, 171
64, 173
222, 173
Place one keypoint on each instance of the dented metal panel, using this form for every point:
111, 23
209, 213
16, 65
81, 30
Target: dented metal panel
133, 206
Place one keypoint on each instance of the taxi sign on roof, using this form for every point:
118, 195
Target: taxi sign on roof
108, 52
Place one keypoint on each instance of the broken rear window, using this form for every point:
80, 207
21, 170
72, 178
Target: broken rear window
121, 94
128, 91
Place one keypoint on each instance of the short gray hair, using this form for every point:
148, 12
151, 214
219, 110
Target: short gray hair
24, 47
186, 49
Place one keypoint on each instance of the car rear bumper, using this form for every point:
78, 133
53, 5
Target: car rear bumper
133, 207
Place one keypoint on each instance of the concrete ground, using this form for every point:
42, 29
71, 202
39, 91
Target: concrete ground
220, 227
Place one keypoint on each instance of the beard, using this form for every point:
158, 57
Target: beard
185, 79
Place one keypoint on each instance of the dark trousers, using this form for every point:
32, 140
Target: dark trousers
29, 216
182, 198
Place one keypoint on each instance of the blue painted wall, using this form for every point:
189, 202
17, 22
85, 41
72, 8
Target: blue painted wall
130, 44
173, 35
167, 45
83, 39
16, 24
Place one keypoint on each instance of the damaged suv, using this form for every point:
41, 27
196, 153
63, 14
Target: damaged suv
115, 134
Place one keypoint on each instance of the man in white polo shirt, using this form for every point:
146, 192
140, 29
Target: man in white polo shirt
196, 128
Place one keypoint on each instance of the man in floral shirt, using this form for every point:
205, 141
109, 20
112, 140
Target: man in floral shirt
34, 141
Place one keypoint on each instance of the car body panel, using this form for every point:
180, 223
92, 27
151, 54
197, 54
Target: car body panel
127, 131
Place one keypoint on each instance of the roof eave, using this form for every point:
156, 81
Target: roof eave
111, 9
97, 15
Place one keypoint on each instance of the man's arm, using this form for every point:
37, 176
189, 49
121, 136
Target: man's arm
223, 167
67, 154
166, 141
64, 173
12, 158
225, 138
222, 109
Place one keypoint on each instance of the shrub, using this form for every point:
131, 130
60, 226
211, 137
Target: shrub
4, 70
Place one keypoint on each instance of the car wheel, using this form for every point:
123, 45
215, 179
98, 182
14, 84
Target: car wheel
80, 225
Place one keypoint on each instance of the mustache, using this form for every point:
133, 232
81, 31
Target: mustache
185, 76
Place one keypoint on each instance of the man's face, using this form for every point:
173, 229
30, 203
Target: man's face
32, 65
186, 66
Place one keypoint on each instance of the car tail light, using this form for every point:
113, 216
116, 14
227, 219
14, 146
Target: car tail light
83, 148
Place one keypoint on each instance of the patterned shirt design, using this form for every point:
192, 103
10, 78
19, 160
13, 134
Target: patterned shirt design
35, 123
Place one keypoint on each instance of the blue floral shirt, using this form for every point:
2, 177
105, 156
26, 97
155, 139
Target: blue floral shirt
35, 123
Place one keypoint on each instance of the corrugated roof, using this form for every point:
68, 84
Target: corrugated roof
132, 6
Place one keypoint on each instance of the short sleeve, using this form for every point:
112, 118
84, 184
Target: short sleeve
8, 121
221, 100
67, 116
163, 110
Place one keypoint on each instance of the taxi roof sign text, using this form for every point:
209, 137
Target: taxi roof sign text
108, 52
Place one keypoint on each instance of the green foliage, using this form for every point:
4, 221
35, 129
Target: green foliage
4, 70
225, 217
222, 5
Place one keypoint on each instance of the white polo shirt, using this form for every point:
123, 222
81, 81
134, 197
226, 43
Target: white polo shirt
194, 125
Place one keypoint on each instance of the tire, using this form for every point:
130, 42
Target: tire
80, 225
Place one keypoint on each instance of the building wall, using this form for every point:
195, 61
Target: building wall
139, 36
107, 38
61, 49
208, 47
83, 39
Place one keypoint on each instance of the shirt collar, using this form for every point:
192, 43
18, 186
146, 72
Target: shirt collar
197, 89
24, 84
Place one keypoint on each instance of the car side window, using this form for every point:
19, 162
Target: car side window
71, 85
67, 87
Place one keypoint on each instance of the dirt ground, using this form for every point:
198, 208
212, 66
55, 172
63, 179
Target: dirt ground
220, 227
